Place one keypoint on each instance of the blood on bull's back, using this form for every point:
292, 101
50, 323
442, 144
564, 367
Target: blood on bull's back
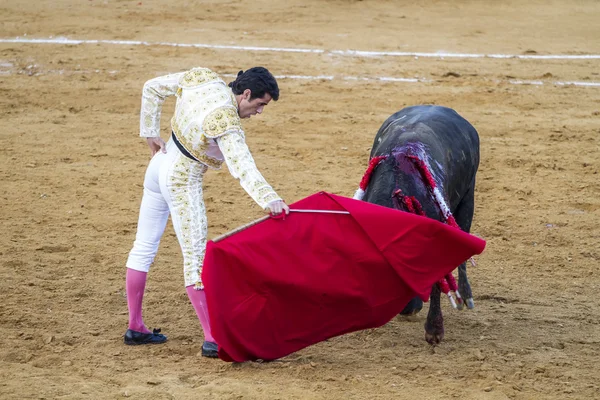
441, 138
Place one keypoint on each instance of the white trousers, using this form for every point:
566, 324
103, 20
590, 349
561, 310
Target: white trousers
173, 184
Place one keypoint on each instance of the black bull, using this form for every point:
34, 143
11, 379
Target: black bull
449, 147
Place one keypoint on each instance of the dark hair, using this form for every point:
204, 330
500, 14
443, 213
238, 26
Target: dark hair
259, 80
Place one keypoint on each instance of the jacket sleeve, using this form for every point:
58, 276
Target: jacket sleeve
242, 166
153, 96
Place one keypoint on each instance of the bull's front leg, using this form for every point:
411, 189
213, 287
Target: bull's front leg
464, 287
464, 218
434, 325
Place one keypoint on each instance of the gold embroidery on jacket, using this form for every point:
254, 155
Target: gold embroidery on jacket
220, 121
197, 76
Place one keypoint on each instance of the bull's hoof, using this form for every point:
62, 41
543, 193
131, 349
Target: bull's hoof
470, 303
434, 338
434, 329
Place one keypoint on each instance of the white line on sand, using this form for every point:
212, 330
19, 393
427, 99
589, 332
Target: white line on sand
384, 79
348, 53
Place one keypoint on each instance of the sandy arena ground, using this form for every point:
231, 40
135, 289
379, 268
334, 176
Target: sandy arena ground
72, 166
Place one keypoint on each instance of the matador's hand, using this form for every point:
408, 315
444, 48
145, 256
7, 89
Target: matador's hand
277, 207
156, 144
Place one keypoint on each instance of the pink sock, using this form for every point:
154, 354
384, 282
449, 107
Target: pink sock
135, 283
198, 299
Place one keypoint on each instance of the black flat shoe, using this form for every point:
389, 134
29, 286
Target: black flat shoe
210, 349
135, 338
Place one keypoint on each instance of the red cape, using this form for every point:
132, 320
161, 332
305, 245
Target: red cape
282, 285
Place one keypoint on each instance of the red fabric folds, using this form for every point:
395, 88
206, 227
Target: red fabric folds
282, 285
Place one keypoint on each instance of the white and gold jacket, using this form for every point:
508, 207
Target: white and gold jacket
206, 123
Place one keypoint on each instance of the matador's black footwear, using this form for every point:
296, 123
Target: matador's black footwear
210, 349
135, 338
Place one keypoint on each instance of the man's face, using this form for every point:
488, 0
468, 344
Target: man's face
248, 108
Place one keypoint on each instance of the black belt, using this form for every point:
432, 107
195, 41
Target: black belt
181, 148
